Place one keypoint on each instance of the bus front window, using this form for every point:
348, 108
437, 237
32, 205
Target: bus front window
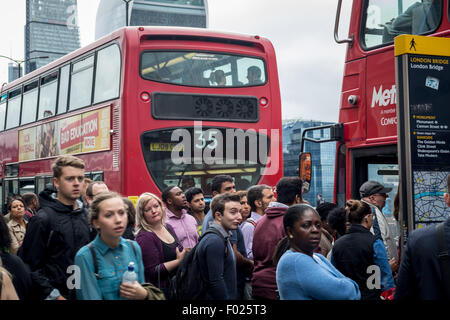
202, 69
387, 19
188, 157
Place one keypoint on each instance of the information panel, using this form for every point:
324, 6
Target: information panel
423, 110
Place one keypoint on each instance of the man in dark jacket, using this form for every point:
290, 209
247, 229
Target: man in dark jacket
216, 256
268, 232
221, 184
420, 276
58, 230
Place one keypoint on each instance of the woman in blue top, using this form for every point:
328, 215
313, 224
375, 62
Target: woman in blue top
302, 274
113, 253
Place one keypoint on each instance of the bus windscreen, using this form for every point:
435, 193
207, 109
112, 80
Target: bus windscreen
202, 69
176, 156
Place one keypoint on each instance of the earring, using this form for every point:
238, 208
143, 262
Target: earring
291, 236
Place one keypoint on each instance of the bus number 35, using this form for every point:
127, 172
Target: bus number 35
211, 136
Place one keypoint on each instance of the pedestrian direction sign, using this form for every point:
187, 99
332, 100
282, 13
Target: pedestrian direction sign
423, 112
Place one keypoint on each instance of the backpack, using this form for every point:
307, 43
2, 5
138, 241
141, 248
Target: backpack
188, 282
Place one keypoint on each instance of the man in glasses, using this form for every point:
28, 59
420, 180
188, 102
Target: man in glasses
375, 194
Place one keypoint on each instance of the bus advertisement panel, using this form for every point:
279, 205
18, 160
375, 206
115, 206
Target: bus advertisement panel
88, 132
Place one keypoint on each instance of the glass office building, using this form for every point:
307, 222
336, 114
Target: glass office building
51, 30
13, 72
111, 14
323, 157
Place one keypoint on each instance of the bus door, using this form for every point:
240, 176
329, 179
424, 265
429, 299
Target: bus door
377, 164
317, 160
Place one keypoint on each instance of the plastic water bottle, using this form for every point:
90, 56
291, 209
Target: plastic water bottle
129, 275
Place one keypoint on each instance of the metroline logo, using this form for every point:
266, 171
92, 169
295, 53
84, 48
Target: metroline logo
383, 98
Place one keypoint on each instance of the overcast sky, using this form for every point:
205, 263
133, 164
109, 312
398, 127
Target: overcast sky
310, 63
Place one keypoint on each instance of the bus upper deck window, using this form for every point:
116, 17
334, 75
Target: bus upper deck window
203, 69
387, 19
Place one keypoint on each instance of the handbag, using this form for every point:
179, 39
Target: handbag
153, 292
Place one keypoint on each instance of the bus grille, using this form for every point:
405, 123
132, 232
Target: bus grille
180, 106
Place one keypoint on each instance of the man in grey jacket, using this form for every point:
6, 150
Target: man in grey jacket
375, 194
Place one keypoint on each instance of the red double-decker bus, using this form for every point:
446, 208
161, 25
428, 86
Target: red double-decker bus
146, 108
366, 132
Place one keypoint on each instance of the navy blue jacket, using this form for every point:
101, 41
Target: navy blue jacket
419, 275
218, 265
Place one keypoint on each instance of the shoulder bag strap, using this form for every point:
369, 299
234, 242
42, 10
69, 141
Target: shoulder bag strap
94, 257
215, 231
444, 258
132, 247
253, 222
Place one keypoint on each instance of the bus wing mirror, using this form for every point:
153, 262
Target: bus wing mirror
305, 165
336, 27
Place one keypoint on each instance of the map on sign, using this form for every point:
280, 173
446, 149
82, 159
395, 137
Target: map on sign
429, 189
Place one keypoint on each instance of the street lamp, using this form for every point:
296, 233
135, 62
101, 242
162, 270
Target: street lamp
127, 4
19, 62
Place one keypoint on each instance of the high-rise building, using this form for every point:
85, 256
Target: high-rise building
13, 72
323, 156
111, 14
51, 30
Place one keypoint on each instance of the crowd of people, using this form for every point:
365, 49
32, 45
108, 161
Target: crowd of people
262, 243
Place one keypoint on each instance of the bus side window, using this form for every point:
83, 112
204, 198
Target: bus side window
107, 74
26, 186
47, 96
13, 109
11, 187
81, 83
29, 105
97, 176
63, 89
387, 19
2, 114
